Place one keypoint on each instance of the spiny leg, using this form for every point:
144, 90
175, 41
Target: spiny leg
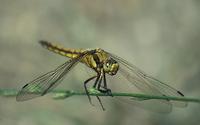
105, 89
108, 91
85, 86
104, 81
98, 88
96, 81
100, 103
99, 84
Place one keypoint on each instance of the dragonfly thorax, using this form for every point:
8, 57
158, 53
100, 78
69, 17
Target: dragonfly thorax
111, 66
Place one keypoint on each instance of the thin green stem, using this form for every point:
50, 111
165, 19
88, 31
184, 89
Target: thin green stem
62, 94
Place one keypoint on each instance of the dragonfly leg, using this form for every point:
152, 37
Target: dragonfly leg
99, 85
100, 103
98, 88
105, 89
85, 86
96, 81
108, 91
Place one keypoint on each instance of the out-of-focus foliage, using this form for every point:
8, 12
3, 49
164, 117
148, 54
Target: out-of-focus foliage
161, 37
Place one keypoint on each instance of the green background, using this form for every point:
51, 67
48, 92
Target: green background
159, 36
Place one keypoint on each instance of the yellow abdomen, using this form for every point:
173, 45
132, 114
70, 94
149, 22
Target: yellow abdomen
71, 53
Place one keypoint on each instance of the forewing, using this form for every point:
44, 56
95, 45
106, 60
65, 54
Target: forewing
43, 84
148, 84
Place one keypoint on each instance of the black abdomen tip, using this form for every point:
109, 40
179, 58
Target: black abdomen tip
44, 43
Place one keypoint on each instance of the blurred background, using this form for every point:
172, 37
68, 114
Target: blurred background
160, 37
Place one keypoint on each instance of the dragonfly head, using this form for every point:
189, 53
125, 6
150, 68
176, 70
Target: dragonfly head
111, 66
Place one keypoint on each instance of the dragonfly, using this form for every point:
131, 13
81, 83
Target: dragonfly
103, 63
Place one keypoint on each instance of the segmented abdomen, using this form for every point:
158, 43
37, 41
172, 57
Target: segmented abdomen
71, 53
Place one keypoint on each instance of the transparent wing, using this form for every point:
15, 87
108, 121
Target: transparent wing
43, 84
148, 84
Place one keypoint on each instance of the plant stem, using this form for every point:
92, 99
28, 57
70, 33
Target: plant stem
62, 94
